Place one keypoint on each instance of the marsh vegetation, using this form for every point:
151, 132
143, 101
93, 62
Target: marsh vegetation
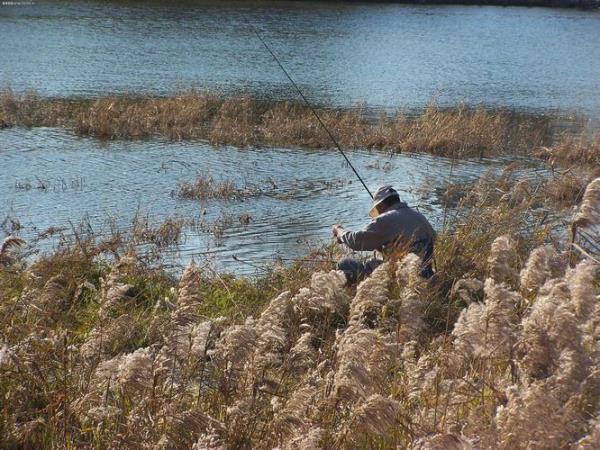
100, 349
245, 121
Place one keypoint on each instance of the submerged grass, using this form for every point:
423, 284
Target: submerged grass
99, 349
245, 121
205, 187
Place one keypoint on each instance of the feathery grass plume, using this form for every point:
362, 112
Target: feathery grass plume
535, 418
178, 338
242, 417
292, 419
363, 359
54, 297
135, 370
447, 441
583, 282
189, 296
589, 211
132, 372
137, 427
591, 441
371, 295
272, 327
311, 440
408, 271
584, 295
104, 340
412, 312
186, 341
372, 418
186, 349
5, 356
125, 266
9, 244
100, 414
106, 373
184, 426
404, 316
441, 390
469, 290
487, 330
116, 295
550, 327
114, 291
31, 432
421, 373
502, 260
209, 441
304, 353
560, 379
235, 345
189, 293
202, 336
325, 296
543, 263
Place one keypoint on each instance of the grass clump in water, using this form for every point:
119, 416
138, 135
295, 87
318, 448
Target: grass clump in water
245, 121
205, 187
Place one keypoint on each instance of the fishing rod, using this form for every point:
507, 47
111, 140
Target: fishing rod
301, 94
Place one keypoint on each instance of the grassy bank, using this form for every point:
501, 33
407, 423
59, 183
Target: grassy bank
244, 121
97, 349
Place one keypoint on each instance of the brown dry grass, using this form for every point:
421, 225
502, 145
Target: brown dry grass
205, 187
31, 110
554, 191
570, 150
244, 121
124, 356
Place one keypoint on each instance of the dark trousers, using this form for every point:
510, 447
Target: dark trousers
357, 270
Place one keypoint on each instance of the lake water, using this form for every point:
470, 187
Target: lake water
306, 191
384, 56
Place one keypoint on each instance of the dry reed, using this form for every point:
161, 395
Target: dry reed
498, 350
244, 121
205, 187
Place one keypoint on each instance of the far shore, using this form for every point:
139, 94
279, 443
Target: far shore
581, 4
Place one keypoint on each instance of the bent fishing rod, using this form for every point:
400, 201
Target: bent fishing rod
313, 110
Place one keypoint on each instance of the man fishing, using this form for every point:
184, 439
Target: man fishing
395, 229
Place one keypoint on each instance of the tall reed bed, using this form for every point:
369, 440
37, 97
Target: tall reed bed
245, 121
499, 350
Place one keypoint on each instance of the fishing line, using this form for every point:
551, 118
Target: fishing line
260, 38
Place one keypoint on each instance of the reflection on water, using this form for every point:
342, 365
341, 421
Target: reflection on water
50, 177
386, 55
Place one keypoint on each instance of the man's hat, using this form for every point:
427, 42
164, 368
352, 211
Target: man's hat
382, 193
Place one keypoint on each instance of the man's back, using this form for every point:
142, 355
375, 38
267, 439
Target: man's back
401, 225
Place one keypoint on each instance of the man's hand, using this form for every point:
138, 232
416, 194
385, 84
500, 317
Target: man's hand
337, 230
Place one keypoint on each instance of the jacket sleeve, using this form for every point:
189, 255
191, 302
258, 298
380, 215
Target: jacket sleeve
372, 237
